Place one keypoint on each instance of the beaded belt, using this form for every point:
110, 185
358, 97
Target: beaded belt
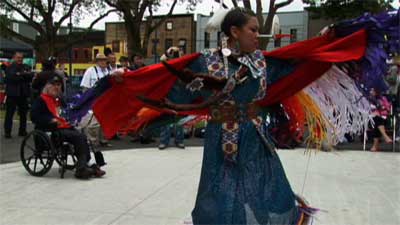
230, 115
234, 112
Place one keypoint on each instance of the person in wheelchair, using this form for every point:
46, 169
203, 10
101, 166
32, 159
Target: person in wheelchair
45, 116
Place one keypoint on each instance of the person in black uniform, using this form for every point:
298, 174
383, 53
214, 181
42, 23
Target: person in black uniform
18, 84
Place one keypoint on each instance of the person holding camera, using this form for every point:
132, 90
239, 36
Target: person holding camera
165, 135
18, 81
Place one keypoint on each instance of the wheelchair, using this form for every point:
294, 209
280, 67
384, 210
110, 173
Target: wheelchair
40, 149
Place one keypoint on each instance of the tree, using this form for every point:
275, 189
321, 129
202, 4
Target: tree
133, 12
46, 17
265, 26
6, 22
346, 9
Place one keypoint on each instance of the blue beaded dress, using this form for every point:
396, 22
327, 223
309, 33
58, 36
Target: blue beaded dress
251, 189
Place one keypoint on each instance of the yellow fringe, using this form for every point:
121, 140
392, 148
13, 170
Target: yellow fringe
316, 121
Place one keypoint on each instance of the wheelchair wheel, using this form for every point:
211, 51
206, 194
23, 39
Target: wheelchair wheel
37, 153
64, 153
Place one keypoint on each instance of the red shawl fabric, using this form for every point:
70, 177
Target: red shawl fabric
52, 104
118, 105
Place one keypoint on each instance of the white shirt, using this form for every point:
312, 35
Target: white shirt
91, 77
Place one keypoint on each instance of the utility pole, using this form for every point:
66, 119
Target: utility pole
155, 46
70, 39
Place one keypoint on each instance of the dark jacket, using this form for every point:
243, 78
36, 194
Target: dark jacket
41, 116
18, 80
135, 67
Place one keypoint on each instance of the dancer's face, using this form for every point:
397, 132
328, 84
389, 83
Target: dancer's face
247, 35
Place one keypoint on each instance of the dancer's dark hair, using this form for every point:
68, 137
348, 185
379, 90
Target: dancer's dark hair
237, 17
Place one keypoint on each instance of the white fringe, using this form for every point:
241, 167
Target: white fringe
342, 104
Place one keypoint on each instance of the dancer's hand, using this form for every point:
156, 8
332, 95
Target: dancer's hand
117, 74
172, 52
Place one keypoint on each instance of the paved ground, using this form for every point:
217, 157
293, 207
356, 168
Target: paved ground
146, 186
150, 187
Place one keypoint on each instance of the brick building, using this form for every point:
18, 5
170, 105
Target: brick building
177, 30
82, 51
294, 23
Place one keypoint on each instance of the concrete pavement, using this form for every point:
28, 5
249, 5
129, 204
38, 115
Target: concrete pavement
148, 186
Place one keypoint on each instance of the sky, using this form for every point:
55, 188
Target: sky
205, 7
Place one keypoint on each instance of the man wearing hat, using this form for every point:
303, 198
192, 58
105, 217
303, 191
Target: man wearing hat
95, 73
90, 78
45, 115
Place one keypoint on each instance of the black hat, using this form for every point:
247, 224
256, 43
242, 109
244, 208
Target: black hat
55, 79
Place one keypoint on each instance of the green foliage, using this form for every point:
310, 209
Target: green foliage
4, 22
345, 9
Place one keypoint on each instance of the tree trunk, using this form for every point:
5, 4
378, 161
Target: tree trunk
266, 29
133, 36
247, 4
145, 45
51, 48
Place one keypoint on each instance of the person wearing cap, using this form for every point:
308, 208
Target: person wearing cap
45, 116
40, 79
18, 85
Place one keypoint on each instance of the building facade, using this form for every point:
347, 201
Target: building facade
203, 38
82, 51
176, 30
293, 23
316, 25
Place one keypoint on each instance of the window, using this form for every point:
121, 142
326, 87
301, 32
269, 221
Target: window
76, 53
293, 35
168, 43
168, 25
206, 40
277, 41
115, 46
15, 27
86, 53
79, 72
182, 45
